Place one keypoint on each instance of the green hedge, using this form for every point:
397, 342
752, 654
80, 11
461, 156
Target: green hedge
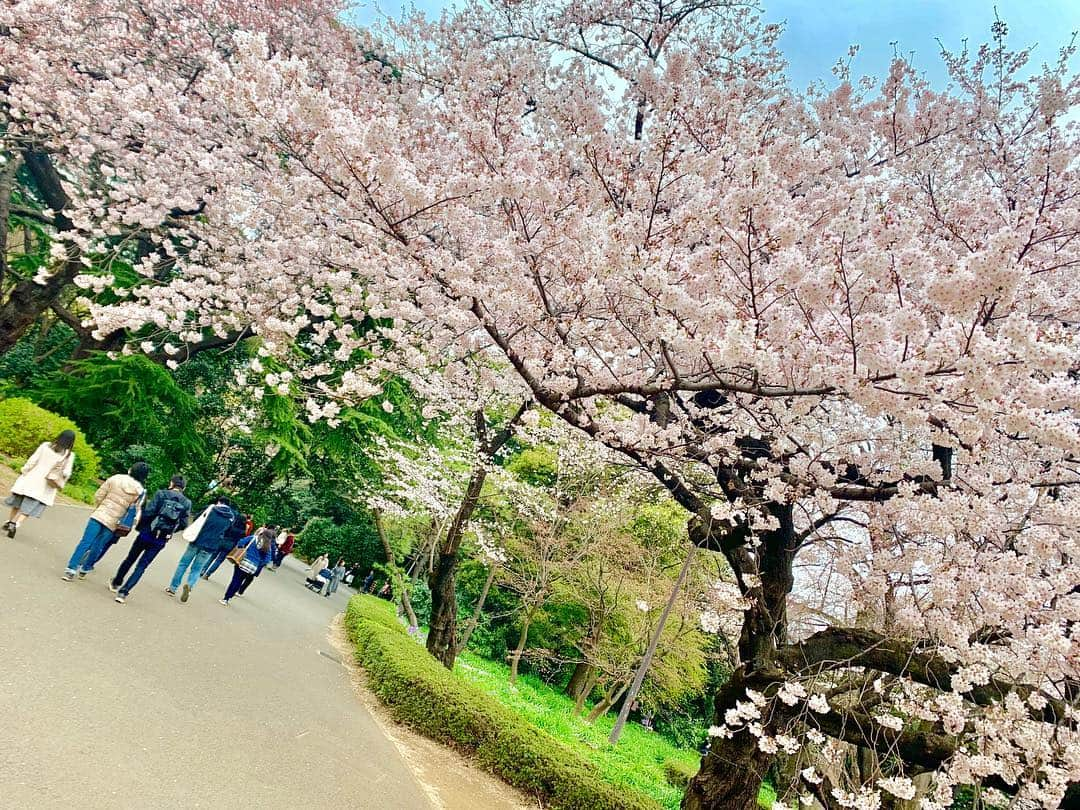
678, 773
423, 694
23, 426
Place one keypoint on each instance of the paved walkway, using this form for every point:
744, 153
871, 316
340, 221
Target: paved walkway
158, 704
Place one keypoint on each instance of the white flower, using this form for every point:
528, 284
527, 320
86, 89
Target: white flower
388, 406
756, 698
899, 786
790, 693
642, 605
811, 776
767, 745
788, 743
818, 703
890, 721
710, 621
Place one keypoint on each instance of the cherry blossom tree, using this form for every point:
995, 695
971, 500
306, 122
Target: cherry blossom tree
446, 483
839, 326
117, 164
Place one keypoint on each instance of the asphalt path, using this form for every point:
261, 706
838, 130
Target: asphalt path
158, 704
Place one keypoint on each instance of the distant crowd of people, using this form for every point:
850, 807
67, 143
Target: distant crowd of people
219, 532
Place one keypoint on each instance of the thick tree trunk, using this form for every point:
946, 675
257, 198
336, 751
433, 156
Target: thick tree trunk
731, 773
523, 638
475, 619
730, 776
28, 299
586, 690
442, 628
578, 679
7, 183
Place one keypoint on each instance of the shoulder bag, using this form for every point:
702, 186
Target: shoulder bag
236, 556
56, 477
191, 533
127, 522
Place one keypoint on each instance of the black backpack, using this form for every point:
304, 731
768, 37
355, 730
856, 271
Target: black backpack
167, 519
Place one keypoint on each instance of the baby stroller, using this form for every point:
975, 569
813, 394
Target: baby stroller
319, 581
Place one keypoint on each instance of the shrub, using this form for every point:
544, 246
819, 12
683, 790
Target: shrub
437, 703
679, 773
356, 542
23, 426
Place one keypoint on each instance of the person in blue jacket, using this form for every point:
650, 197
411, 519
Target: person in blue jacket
209, 539
233, 535
258, 553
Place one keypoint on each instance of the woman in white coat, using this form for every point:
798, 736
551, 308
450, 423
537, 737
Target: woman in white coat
43, 475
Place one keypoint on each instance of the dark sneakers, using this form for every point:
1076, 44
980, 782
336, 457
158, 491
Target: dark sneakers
11, 528
185, 592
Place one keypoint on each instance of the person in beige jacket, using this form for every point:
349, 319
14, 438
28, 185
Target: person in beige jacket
42, 476
114, 498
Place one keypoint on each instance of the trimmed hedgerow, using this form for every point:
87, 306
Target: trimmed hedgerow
426, 696
679, 773
23, 426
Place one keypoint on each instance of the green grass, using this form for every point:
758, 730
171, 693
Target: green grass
637, 762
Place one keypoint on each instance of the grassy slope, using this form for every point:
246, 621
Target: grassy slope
636, 762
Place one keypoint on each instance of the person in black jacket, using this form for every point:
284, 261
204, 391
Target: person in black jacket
236, 532
167, 513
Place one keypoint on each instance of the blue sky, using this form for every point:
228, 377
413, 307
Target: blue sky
818, 32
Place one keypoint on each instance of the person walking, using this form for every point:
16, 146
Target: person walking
43, 475
256, 555
273, 530
337, 573
370, 578
166, 514
283, 549
114, 498
319, 564
123, 528
208, 532
236, 532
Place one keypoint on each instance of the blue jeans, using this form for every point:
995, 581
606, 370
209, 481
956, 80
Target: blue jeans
193, 561
214, 562
95, 537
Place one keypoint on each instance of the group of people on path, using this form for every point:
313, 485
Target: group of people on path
333, 576
218, 533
